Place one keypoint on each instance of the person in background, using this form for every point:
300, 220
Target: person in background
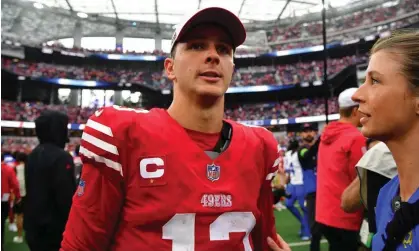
307, 156
295, 188
389, 105
375, 169
9, 185
279, 182
279, 190
50, 184
351, 196
10, 160
18, 208
341, 147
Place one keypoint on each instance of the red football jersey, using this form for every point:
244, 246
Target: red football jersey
147, 186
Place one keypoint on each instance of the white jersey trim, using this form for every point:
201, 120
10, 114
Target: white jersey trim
99, 127
109, 163
100, 143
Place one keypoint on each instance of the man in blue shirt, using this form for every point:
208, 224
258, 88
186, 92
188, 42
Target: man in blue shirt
397, 221
295, 188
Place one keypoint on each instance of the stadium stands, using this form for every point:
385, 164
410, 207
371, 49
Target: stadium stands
362, 18
373, 16
15, 111
265, 75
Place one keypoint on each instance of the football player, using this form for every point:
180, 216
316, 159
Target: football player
181, 178
295, 188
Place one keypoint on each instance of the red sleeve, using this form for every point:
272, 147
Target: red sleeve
98, 200
13, 183
356, 151
265, 225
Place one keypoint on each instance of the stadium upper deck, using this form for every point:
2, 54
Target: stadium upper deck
269, 29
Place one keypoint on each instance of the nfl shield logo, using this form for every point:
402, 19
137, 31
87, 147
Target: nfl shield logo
213, 172
80, 188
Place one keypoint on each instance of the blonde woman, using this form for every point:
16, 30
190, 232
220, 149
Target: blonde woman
389, 102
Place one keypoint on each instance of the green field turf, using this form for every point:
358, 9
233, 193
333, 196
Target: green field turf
287, 226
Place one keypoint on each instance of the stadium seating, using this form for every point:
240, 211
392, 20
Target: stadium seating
285, 109
26, 144
15, 111
265, 75
361, 18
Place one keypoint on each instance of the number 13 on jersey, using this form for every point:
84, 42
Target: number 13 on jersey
181, 229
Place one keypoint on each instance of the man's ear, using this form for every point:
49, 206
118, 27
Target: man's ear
169, 68
355, 111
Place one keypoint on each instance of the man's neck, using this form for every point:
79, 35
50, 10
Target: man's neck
348, 120
193, 114
405, 153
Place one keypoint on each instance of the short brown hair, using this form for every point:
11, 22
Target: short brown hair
346, 112
405, 43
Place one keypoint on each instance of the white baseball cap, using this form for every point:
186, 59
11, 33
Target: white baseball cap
215, 15
345, 98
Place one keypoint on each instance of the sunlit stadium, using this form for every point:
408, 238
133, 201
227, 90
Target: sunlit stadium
77, 57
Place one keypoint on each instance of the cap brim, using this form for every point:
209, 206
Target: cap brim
218, 16
307, 127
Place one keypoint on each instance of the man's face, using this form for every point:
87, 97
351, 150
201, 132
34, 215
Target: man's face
203, 62
308, 135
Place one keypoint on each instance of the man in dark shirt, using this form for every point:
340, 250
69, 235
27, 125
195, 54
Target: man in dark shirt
50, 184
307, 156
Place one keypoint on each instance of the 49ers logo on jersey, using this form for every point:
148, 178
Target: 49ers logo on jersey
217, 200
152, 171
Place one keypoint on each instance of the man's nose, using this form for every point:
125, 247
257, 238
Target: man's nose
212, 55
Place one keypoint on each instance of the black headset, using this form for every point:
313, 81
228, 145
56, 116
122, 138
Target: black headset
225, 138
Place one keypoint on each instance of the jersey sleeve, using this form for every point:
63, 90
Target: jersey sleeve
265, 225
98, 199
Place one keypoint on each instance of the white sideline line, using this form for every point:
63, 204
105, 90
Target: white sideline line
303, 243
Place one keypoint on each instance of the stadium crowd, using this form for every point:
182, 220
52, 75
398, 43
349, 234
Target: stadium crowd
285, 109
361, 18
27, 144
15, 111
257, 75
28, 112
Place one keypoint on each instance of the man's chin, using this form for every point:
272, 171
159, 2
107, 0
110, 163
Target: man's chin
309, 140
211, 91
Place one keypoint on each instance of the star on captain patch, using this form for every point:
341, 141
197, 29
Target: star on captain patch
213, 172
